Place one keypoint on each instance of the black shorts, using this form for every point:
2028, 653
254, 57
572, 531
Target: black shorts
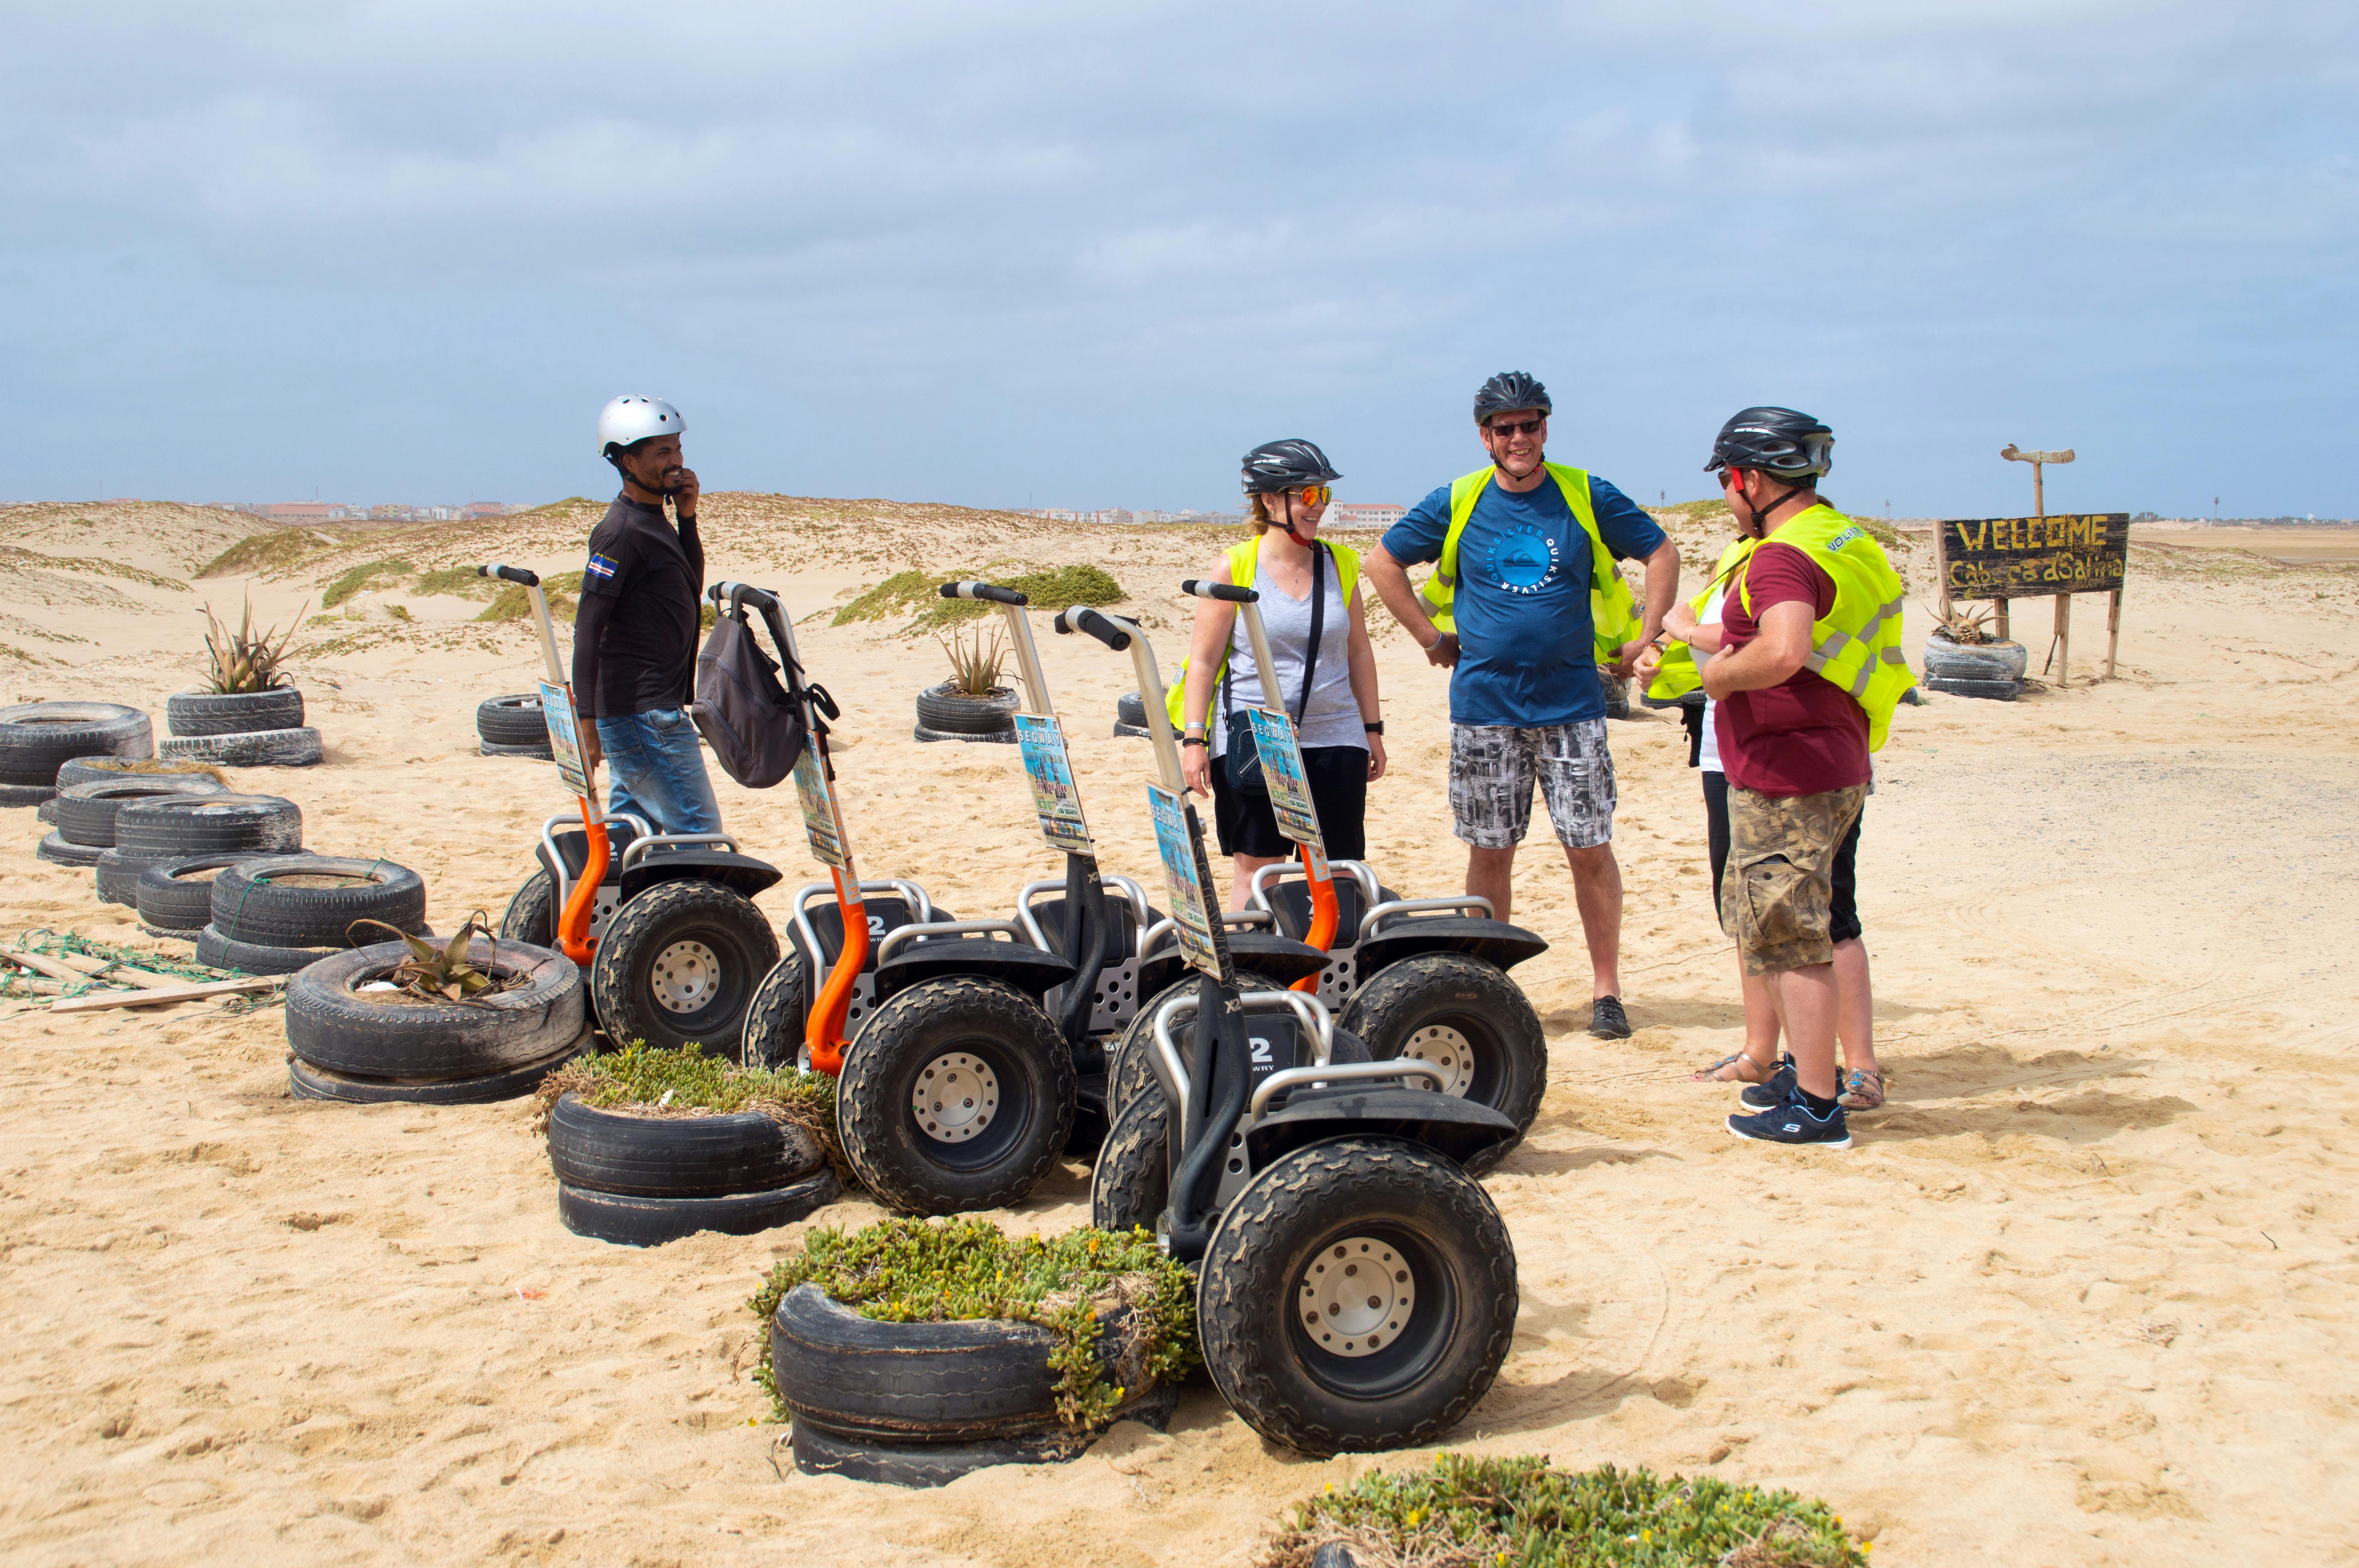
1843, 923
1338, 776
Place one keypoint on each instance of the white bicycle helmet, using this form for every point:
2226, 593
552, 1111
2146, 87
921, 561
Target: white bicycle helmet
627, 421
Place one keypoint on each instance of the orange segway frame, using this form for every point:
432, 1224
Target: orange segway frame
573, 938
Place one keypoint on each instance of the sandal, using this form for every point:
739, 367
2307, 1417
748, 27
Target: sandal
1862, 1091
1713, 1074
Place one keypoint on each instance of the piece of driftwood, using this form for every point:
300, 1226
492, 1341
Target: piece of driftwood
185, 991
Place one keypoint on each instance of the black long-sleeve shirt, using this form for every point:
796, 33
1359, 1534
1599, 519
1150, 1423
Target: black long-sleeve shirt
634, 631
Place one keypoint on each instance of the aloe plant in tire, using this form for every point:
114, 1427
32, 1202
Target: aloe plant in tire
246, 688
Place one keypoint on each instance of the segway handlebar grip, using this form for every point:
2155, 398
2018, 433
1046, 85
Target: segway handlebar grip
509, 574
1201, 589
737, 594
991, 592
1081, 618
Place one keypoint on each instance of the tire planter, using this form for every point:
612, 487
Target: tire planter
650, 1222
254, 957
253, 748
1130, 709
84, 812
175, 893
38, 737
512, 726
35, 795
304, 1081
1993, 690
1468, 1019
947, 715
208, 824
1323, 1372
191, 713
1975, 661
275, 901
927, 1403
330, 1024
117, 878
718, 1156
112, 769
59, 852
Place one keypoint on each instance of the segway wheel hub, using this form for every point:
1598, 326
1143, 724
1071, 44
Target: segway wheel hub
1448, 1050
685, 977
1355, 1295
955, 1098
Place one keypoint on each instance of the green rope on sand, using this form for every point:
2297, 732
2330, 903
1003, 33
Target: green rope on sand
45, 943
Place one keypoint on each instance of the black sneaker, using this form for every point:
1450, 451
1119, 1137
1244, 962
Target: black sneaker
1607, 1021
1796, 1123
1771, 1091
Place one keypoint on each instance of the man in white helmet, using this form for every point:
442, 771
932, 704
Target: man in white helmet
635, 633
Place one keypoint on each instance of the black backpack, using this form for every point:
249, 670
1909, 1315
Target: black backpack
754, 724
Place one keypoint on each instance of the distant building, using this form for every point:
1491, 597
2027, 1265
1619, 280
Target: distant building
300, 511
485, 509
1365, 513
392, 512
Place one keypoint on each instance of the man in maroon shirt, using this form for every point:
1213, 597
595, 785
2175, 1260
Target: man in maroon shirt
1796, 751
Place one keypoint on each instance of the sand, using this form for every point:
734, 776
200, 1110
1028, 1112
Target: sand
2079, 1295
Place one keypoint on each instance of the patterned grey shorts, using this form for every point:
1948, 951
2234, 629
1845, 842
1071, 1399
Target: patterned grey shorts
1492, 768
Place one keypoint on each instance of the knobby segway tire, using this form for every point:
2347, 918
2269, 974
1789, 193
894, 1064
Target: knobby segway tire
957, 1095
1129, 1064
208, 825
84, 814
250, 905
677, 965
531, 914
254, 748
114, 770
332, 1024
1397, 1364
1467, 1018
773, 1036
304, 1081
677, 1157
54, 848
233, 713
175, 893
649, 1222
37, 738
1131, 1184
1993, 690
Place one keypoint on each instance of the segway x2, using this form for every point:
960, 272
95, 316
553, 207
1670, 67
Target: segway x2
663, 925
954, 1089
1356, 1288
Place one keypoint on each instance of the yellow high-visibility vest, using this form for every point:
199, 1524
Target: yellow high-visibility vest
1678, 674
1613, 612
1857, 646
1244, 561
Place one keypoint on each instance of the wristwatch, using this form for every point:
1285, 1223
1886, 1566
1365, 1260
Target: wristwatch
1195, 741
1376, 729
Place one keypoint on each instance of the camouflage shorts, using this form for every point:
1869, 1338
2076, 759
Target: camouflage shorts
1779, 889
1492, 768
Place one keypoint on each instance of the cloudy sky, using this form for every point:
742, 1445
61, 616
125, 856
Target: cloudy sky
1059, 253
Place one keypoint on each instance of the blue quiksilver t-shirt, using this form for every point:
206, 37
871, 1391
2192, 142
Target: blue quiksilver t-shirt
1525, 656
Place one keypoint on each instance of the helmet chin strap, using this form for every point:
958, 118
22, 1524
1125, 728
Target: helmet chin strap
1760, 519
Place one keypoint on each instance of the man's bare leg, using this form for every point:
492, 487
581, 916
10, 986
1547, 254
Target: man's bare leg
1597, 892
1855, 1016
1808, 1003
1240, 875
1491, 873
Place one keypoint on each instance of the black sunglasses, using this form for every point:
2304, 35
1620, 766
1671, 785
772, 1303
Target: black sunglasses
1518, 426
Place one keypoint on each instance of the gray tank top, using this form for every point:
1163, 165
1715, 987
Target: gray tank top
1331, 717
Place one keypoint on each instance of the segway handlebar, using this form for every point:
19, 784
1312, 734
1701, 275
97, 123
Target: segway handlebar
1081, 618
1204, 588
990, 590
509, 574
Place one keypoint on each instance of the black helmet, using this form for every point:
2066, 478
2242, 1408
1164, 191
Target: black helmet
1509, 390
1286, 465
1782, 442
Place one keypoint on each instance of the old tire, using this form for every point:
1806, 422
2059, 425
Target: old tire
35, 795
1325, 1376
649, 1222
1128, 708
948, 713
254, 957
819, 1451
273, 901
512, 723
1975, 661
957, 1095
1128, 1067
304, 1081
175, 893
113, 770
1469, 1019
1005, 737
208, 825
118, 879
677, 966
677, 1157
233, 713
773, 1036
37, 738
1993, 690
253, 748
55, 850
84, 812
1130, 1186
330, 1025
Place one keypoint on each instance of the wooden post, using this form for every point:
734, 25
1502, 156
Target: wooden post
2113, 631
1941, 565
2064, 638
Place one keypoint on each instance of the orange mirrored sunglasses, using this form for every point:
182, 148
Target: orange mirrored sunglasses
1317, 494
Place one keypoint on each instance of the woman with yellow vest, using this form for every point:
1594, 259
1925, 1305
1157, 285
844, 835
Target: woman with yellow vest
1326, 674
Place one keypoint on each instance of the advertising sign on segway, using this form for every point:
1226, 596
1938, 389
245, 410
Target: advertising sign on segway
1185, 879
1056, 799
564, 735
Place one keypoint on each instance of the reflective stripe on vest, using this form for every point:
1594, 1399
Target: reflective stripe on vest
1857, 645
1244, 563
1613, 612
1678, 674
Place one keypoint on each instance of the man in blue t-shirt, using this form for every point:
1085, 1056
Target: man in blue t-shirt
1525, 704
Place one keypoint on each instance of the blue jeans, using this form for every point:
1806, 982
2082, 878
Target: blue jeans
658, 773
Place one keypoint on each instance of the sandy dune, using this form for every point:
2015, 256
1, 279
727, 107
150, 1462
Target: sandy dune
2079, 1296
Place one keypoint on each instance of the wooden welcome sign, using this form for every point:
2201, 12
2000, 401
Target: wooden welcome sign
2028, 557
